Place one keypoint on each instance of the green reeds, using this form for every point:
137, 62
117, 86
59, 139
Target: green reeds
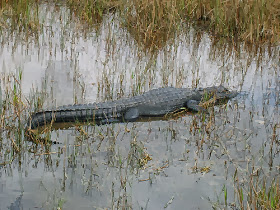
268, 195
260, 193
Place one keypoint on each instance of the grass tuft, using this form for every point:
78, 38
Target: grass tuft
153, 22
20, 16
260, 193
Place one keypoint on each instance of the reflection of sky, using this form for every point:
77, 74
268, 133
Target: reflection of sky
68, 64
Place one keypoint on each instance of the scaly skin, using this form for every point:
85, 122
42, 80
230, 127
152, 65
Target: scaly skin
155, 102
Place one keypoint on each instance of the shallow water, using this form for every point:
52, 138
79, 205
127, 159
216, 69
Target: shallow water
94, 167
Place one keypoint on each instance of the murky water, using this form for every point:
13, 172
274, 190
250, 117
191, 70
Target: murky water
194, 158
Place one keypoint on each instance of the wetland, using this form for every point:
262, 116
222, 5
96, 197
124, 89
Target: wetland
55, 53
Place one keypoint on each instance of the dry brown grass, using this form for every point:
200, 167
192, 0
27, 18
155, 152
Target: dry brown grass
153, 22
249, 20
21, 16
91, 12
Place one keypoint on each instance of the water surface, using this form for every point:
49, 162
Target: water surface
193, 158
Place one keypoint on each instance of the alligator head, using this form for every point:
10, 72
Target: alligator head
220, 92
216, 94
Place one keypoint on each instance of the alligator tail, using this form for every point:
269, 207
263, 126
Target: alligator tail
48, 117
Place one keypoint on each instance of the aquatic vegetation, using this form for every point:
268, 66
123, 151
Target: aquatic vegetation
90, 14
20, 17
154, 22
260, 193
116, 49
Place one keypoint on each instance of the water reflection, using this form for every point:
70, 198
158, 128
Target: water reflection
17, 204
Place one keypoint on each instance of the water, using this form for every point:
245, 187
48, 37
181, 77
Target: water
194, 158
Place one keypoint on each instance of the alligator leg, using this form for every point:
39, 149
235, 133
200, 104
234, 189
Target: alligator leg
150, 110
108, 121
194, 105
132, 114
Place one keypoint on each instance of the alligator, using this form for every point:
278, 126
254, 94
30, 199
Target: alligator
154, 103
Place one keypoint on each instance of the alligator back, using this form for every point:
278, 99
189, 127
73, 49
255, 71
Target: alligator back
152, 103
155, 102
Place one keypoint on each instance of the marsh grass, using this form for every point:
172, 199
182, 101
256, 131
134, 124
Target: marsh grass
15, 110
137, 157
253, 187
90, 13
1, 103
11, 117
208, 100
152, 23
243, 20
21, 17
260, 193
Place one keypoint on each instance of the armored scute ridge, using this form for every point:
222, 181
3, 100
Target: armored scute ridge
155, 102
